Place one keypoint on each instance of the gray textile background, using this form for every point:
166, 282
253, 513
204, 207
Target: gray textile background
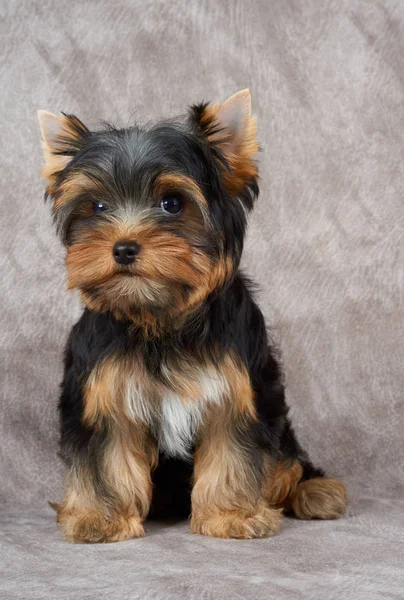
325, 244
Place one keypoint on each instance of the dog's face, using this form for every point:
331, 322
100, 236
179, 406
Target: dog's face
153, 219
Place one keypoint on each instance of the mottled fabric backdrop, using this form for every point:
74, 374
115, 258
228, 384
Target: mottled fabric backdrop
325, 245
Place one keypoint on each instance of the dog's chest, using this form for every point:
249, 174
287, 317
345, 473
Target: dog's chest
174, 408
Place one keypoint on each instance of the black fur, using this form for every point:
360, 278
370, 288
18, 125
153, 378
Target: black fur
126, 162
230, 320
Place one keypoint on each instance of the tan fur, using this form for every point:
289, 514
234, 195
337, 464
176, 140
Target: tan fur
280, 483
226, 499
70, 130
72, 187
239, 157
206, 403
53, 164
83, 518
241, 392
242, 166
220, 271
100, 392
163, 257
319, 499
128, 460
240, 523
226, 493
105, 388
104, 402
86, 516
165, 263
175, 182
92, 527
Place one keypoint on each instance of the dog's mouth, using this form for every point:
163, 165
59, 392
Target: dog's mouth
127, 274
126, 271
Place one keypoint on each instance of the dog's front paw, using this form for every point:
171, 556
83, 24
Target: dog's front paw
93, 527
240, 524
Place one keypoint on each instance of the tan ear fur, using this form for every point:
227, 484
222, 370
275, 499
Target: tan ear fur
62, 137
232, 129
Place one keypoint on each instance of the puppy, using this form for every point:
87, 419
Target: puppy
172, 399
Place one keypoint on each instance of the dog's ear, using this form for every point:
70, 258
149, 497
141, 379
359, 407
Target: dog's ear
231, 130
62, 138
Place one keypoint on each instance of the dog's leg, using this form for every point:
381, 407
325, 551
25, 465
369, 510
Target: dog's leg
108, 487
226, 498
319, 498
314, 498
290, 480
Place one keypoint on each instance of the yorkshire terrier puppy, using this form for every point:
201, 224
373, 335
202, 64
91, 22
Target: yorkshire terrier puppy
172, 399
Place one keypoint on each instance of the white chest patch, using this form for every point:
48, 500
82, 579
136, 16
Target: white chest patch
174, 419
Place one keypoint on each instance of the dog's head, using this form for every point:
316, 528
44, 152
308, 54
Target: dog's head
153, 218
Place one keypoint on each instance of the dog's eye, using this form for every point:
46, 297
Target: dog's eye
98, 207
172, 205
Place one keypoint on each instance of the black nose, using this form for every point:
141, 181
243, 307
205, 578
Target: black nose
125, 252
